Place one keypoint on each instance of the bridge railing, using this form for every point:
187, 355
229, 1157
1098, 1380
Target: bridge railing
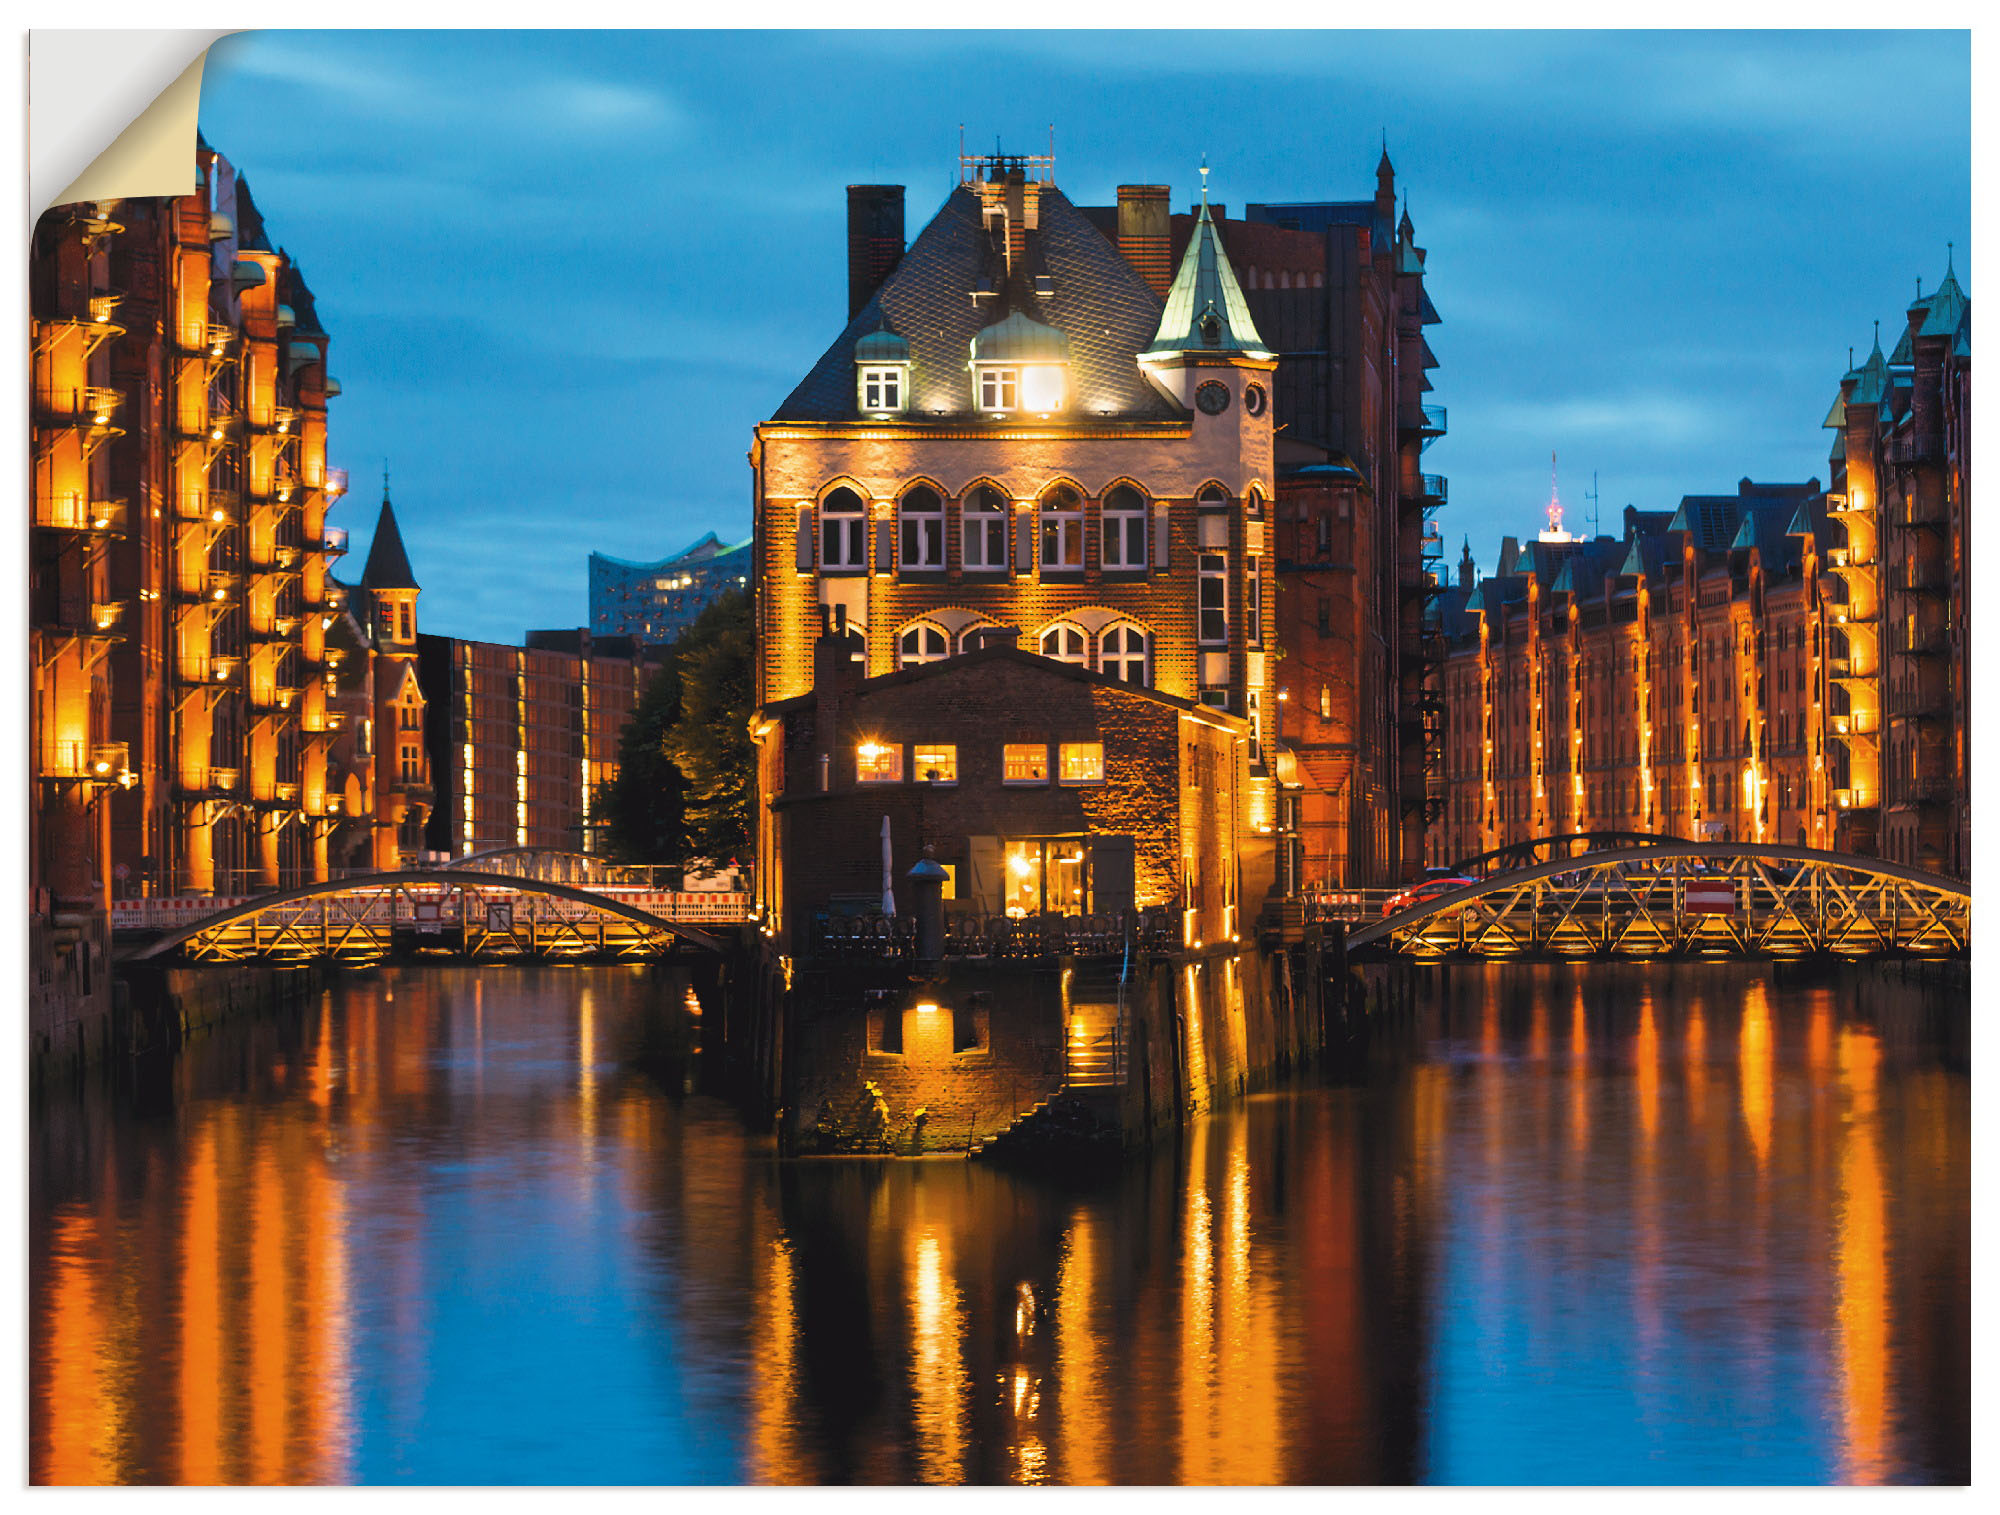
173, 914
853, 938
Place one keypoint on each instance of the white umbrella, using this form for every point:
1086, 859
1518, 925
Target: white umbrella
888, 875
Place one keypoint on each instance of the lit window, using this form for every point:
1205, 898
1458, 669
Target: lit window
937, 764
1062, 529
843, 533
985, 530
1124, 529
879, 762
881, 389
1122, 655
922, 521
1024, 763
1213, 603
1082, 762
922, 643
1066, 644
1000, 389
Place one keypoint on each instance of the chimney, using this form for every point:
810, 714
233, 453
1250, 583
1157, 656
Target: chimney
874, 239
1145, 234
835, 675
999, 636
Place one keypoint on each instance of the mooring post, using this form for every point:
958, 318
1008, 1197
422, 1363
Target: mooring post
927, 884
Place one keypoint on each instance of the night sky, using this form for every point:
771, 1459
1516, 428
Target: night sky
566, 273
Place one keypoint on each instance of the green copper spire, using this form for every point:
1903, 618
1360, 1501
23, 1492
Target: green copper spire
1205, 310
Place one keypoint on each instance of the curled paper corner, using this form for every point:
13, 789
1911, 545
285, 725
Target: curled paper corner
75, 99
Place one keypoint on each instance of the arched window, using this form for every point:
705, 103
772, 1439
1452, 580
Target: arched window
1066, 644
922, 643
1122, 654
983, 533
1253, 501
1062, 529
1212, 497
1124, 529
843, 533
921, 515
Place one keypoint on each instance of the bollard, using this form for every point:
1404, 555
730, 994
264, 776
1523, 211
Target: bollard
927, 884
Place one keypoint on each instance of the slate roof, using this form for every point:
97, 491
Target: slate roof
1947, 308
250, 235
1097, 300
388, 564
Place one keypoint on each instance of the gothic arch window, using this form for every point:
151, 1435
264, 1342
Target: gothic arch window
1124, 529
983, 530
920, 524
843, 532
1066, 643
1125, 654
1212, 497
921, 642
1061, 529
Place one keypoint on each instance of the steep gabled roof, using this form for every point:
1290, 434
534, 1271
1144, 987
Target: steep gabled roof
1096, 299
1947, 308
1872, 386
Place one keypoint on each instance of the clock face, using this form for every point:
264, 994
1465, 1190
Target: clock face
1253, 399
1213, 398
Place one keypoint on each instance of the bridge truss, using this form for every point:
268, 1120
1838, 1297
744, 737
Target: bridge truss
464, 914
1689, 899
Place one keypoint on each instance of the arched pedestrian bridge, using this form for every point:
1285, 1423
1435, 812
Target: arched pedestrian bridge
464, 913
1688, 899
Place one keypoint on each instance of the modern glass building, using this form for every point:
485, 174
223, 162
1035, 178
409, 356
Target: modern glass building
656, 602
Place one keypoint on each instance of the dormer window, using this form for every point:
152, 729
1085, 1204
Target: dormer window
1020, 366
882, 364
881, 390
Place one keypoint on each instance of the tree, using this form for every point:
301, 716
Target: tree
686, 766
710, 741
644, 807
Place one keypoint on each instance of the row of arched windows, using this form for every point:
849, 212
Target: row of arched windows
1049, 534
1122, 650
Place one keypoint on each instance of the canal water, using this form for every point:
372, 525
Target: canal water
1593, 1226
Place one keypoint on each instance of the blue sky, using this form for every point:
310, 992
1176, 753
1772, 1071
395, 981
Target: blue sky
567, 272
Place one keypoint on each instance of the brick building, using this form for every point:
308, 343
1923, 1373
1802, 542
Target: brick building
1901, 496
656, 602
521, 739
185, 701
1041, 786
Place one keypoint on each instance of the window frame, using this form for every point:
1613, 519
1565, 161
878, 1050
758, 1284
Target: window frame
885, 376
1122, 657
855, 537
993, 523
1124, 524
1008, 753
1060, 524
1064, 629
1063, 751
920, 750
867, 773
999, 388
911, 528
905, 660
1212, 578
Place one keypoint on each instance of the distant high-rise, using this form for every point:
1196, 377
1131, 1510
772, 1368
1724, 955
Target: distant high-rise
656, 602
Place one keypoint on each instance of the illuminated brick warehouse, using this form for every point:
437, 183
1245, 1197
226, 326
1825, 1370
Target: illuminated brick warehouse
189, 679
1061, 419
1785, 664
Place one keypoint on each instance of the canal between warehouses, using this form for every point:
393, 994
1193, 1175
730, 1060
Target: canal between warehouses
1610, 1225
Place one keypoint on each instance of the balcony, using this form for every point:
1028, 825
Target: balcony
274, 699
1933, 789
219, 584
90, 404
328, 721
213, 671
209, 783
336, 483
70, 513
1433, 490
1854, 799
1925, 642
283, 796
333, 541
62, 762
1922, 576
106, 617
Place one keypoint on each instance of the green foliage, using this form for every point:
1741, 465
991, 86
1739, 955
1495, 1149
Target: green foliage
710, 741
686, 766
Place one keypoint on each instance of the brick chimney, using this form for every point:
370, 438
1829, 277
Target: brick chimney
835, 675
999, 636
874, 239
1145, 234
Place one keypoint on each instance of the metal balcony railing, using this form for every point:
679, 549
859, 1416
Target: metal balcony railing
71, 513
333, 541
336, 483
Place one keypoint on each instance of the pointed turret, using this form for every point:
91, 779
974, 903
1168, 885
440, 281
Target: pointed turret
1205, 311
388, 564
1947, 305
1385, 183
1871, 387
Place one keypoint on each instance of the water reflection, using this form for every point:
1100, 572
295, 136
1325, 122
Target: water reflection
1584, 1226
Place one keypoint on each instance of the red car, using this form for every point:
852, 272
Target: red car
1433, 885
